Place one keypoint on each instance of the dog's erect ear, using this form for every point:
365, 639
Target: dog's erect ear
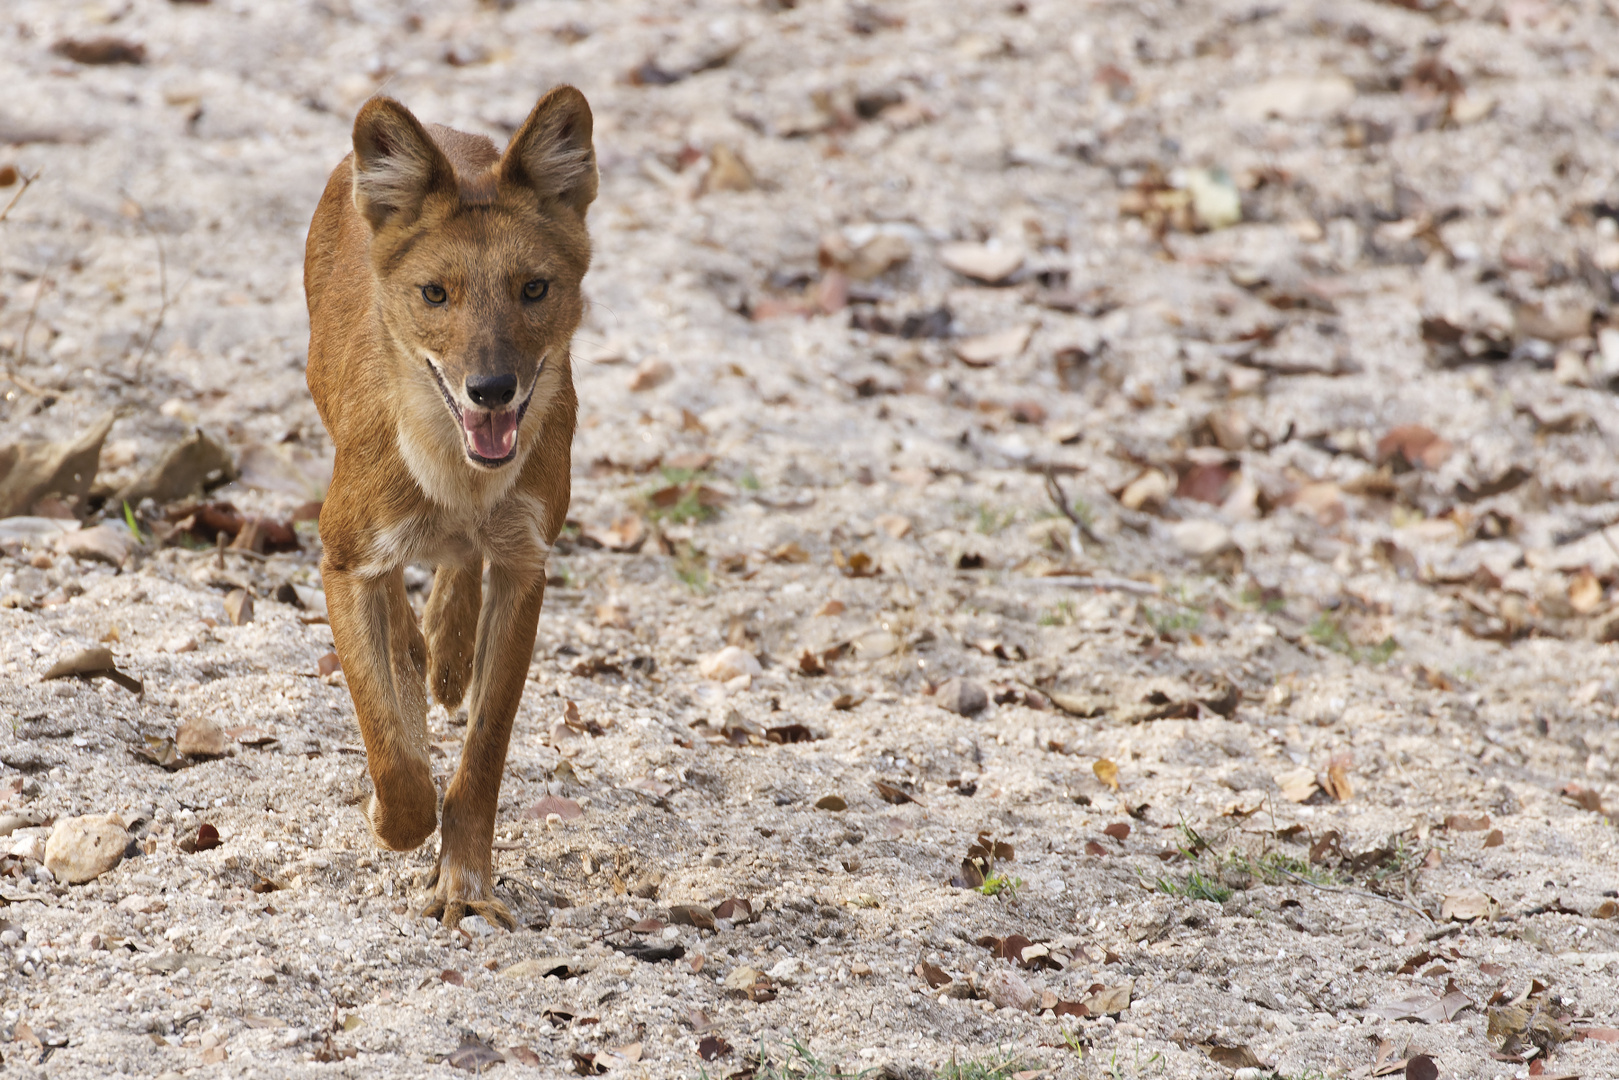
552, 152
396, 164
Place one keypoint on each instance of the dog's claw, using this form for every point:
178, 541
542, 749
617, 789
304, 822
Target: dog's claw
451, 912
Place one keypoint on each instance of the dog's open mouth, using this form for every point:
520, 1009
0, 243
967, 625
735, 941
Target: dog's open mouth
489, 436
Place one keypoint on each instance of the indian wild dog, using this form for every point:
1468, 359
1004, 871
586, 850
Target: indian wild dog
443, 281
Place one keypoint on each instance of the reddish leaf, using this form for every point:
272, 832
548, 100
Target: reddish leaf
736, 909
933, 975
1583, 797
524, 1054
543, 808
453, 977
1118, 830
1093, 848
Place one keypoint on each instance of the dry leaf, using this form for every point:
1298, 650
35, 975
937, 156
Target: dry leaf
1234, 1057
626, 534
474, 1056
991, 265
1107, 772
1583, 797
933, 975
1465, 823
93, 663
834, 803
987, 350
1110, 1000
1119, 830
1412, 446
892, 794
545, 806
1337, 783
691, 915
832, 607
1466, 905
791, 553
1297, 785
525, 1054
712, 1047
30, 471
1421, 1067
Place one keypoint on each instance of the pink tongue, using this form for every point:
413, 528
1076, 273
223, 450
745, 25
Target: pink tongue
491, 434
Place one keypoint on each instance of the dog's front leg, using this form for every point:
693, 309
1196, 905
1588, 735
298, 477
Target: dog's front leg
505, 643
384, 662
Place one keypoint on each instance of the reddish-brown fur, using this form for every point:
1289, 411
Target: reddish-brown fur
421, 269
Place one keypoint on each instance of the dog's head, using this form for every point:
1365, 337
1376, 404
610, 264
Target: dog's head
477, 257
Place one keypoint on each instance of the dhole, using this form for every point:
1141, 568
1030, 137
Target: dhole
443, 286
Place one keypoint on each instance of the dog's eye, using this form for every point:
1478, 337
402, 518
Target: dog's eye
434, 294
536, 289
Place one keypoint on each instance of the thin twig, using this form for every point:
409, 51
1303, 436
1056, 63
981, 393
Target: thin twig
163, 294
21, 358
27, 181
1356, 892
1060, 497
1091, 581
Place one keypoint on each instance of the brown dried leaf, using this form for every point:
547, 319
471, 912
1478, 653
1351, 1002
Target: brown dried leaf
933, 975
1413, 446
1583, 797
790, 553
101, 50
691, 915
856, 565
1421, 1067
524, 1054
1337, 783
789, 733
545, 806
712, 1047
626, 534
811, 664
737, 909
834, 803
892, 794
1234, 1057
1466, 823
1119, 830
453, 977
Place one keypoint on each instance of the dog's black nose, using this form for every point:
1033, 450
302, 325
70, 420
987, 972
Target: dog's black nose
491, 391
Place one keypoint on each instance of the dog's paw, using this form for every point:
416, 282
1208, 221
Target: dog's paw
451, 911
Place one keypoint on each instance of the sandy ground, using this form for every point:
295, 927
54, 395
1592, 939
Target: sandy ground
1346, 463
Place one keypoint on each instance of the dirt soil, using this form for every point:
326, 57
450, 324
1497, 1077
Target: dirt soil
1300, 732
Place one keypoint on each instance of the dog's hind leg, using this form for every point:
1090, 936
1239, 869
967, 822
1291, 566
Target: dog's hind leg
451, 625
